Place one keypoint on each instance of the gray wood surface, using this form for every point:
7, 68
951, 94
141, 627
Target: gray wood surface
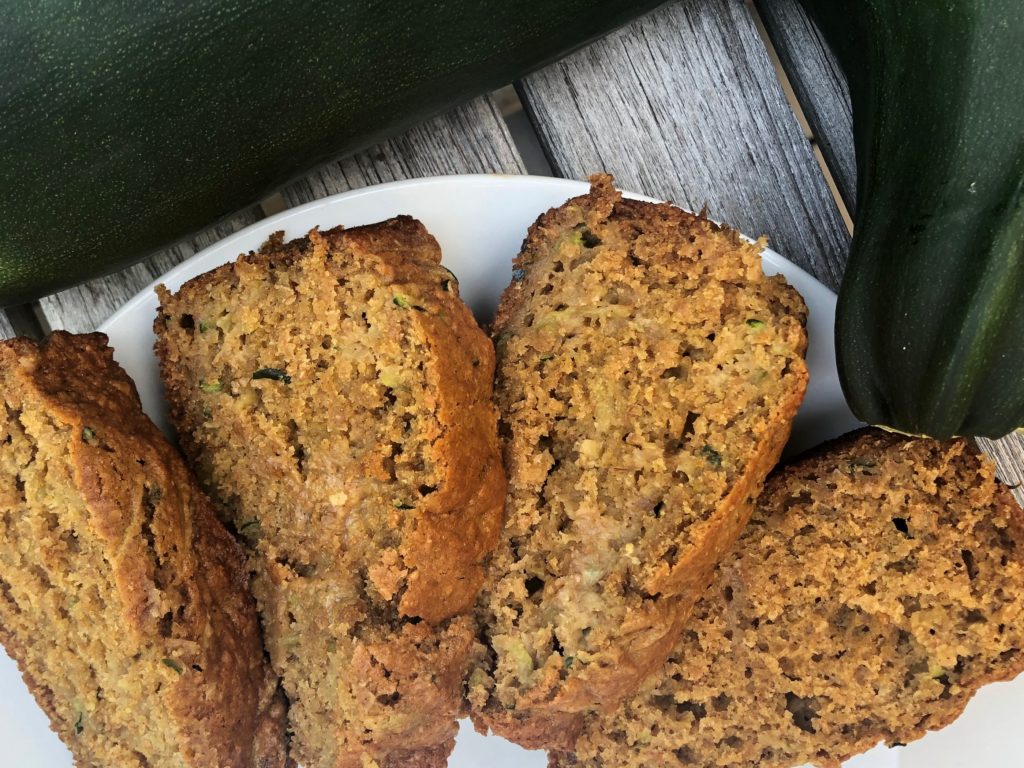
820, 87
472, 138
1008, 453
469, 139
6, 331
685, 104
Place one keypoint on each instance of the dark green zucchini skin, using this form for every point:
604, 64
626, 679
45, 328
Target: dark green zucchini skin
127, 125
930, 321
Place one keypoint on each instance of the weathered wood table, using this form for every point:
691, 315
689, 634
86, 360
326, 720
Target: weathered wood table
684, 104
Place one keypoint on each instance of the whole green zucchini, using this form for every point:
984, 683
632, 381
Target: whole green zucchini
930, 321
127, 125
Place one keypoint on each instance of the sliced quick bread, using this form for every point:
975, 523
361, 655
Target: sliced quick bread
335, 396
648, 373
879, 584
122, 598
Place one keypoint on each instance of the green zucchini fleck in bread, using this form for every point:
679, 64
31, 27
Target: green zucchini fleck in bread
879, 584
648, 373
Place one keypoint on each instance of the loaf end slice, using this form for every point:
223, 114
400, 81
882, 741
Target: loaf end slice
879, 584
122, 598
334, 394
648, 374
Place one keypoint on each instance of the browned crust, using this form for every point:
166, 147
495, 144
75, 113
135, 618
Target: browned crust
461, 524
553, 718
220, 711
435, 757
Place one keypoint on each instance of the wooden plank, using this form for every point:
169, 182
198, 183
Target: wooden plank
1008, 453
6, 331
469, 139
819, 85
21, 320
685, 104
472, 138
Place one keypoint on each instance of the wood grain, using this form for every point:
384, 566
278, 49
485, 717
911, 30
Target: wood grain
819, 85
469, 139
472, 138
6, 331
685, 104
1008, 454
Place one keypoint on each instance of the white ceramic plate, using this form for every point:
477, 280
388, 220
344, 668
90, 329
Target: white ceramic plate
480, 222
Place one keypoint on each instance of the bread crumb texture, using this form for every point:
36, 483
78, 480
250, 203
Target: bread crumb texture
877, 587
335, 397
648, 373
122, 598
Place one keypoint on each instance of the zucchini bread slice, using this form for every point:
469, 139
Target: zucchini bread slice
122, 598
648, 374
335, 396
879, 584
